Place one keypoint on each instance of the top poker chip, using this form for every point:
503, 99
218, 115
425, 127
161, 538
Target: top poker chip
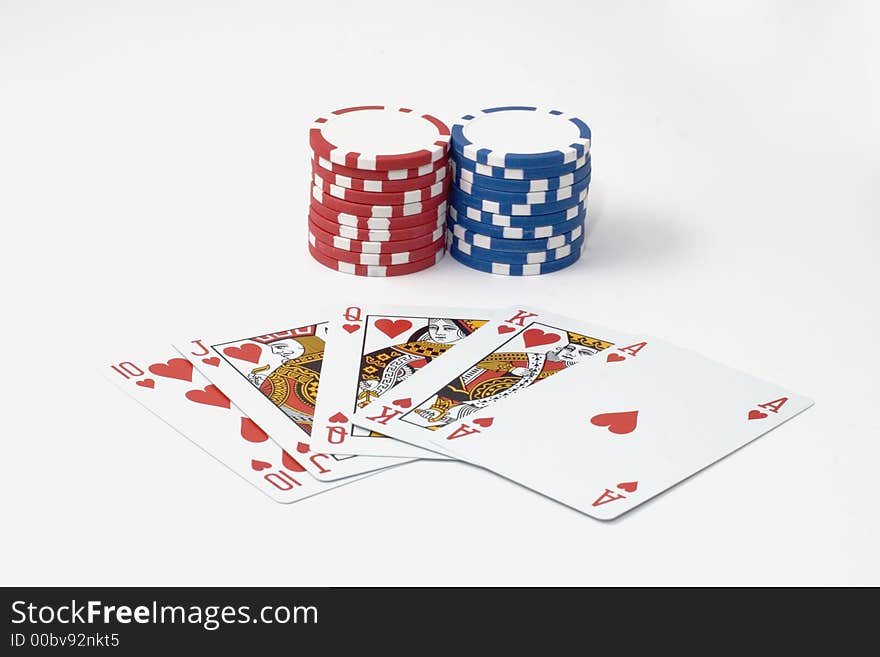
374, 137
521, 137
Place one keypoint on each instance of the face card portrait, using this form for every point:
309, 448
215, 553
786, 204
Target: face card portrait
274, 377
371, 350
517, 349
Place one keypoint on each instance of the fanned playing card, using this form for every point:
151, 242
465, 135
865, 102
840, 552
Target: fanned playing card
274, 378
171, 388
371, 350
606, 438
518, 348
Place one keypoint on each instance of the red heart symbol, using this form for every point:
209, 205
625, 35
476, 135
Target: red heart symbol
291, 463
403, 403
535, 337
619, 423
614, 358
484, 421
628, 486
393, 328
210, 395
260, 465
252, 432
757, 415
504, 328
338, 417
147, 383
351, 328
248, 352
302, 448
176, 368
213, 360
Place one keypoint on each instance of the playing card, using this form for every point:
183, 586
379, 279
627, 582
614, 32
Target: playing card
518, 348
170, 387
370, 351
273, 377
605, 438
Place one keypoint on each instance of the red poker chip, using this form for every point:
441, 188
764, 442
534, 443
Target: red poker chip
351, 181
378, 223
364, 210
374, 241
380, 198
376, 270
381, 138
393, 258
393, 175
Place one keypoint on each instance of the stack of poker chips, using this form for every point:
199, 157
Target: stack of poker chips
380, 180
518, 202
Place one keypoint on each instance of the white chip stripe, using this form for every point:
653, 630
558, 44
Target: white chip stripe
374, 244
557, 195
537, 185
504, 219
524, 209
383, 211
496, 158
535, 257
518, 233
375, 223
413, 196
417, 194
370, 258
367, 161
376, 270
343, 181
530, 269
330, 178
485, 241
526, 269
576, 233
513, 174
377, 236
393, 174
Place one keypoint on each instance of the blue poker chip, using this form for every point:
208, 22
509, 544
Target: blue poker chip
579, 194
462, 175
516, 232
563, 216
489, 243
558, 195
507, 269
521, 137
515, 257
532, 173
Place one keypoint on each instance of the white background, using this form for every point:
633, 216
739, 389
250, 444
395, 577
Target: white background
154, 183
